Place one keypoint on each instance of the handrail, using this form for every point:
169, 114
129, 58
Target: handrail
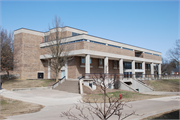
58, 82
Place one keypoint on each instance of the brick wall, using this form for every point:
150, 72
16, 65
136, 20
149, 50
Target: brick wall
28, 47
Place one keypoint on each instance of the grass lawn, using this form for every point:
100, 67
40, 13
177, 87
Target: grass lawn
174, 114
169, 85
9, 84
126, 96
10, 107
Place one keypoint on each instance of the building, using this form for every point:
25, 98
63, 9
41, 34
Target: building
91, 55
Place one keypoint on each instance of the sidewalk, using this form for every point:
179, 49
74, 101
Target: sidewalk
43, 97
161, 93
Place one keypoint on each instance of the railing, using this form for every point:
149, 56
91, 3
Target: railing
130, 76
58, 82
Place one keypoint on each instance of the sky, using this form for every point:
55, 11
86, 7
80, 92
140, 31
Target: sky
150, 24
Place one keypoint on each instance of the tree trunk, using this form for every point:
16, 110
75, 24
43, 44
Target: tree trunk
57, 75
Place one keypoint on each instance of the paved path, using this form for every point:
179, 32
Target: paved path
54, 105
43, 97
162, 93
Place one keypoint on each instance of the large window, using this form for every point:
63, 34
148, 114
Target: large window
115, 63
138, 65
100, 61
147, 66
82, 60
127, 65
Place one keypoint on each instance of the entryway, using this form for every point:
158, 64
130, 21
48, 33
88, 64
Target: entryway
62, 73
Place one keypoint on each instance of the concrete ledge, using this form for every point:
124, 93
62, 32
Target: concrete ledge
35, 88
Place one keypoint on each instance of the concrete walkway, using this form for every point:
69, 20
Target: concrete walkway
43, 97
161, 93
58, 101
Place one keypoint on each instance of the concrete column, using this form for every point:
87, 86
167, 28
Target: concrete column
81, 88
143, 68
159, 70
87, 63
49, 68
152, 70
121, 68
106, 65
133, 69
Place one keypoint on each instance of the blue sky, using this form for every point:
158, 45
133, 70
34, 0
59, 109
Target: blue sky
148, 24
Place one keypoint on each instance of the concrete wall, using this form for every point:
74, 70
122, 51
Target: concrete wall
124, 86
142, 87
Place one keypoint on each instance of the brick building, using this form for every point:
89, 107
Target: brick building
91, 55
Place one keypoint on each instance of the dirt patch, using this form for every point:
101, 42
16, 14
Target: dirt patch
10, 107
9, 84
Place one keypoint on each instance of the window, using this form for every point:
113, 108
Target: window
97, 42
140, 66
127, 49
156, 54
148, 53
115, 63
114, 46
127, 65
100, 62
90, 60
46, 38
137, 66
74, 34
83, 60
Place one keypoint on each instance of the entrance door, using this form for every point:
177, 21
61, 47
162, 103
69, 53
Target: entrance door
62, 73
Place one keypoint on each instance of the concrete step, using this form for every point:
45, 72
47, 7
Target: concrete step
69, 86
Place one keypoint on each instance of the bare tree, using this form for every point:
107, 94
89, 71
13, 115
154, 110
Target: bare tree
174, 53
57, 47
6, 47
168, 66
110, 106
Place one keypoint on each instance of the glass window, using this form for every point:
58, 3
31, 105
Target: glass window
100, 61
74, 34
127, 65
82, 60
90, 60
127, 48
46, 38
115, 63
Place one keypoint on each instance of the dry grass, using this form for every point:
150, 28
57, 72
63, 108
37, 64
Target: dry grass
169, 85
127, 96
174, 114
10, 107
9, 84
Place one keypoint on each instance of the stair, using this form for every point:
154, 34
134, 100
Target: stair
68, 86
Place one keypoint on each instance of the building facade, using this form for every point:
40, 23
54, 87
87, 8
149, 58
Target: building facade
91, 55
